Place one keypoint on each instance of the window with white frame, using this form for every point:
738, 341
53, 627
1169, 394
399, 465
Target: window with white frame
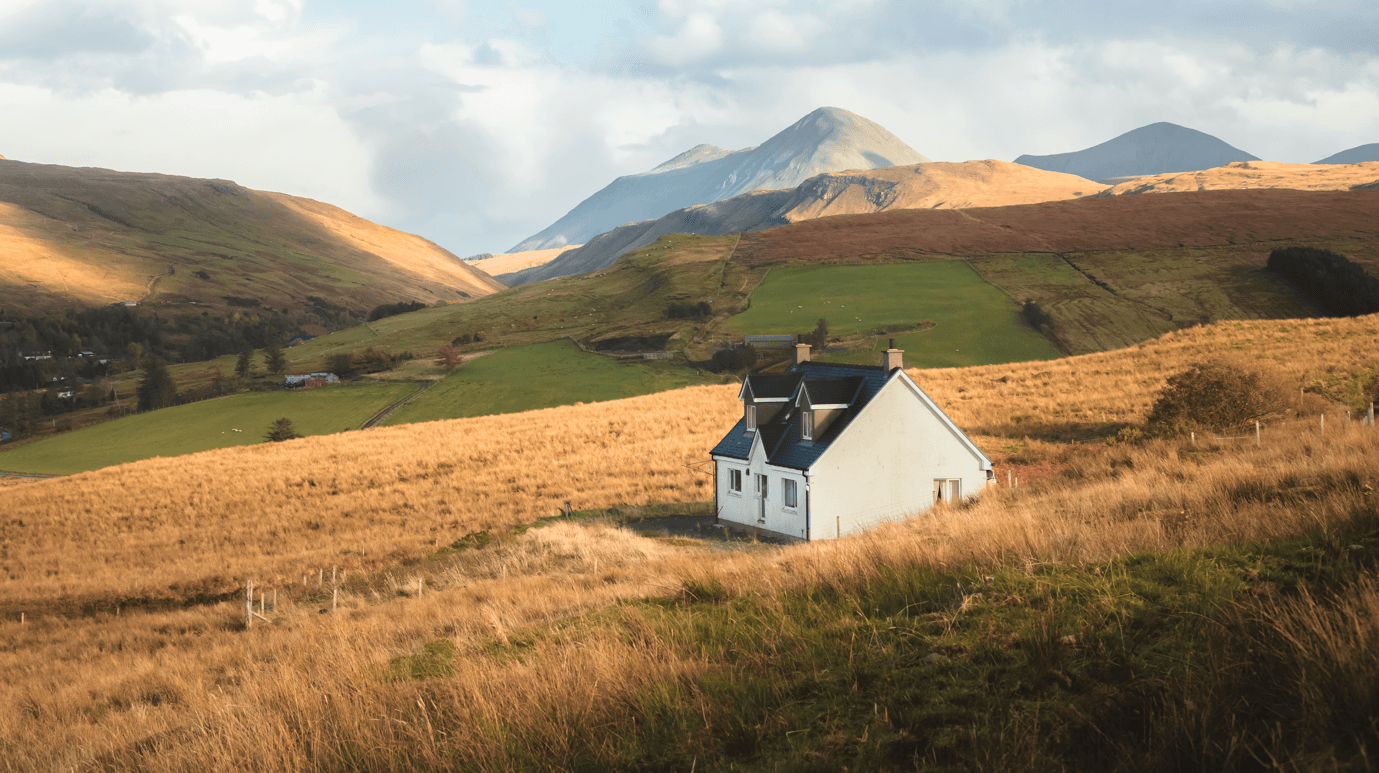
789, 494
735, 481
751, 417
807, 424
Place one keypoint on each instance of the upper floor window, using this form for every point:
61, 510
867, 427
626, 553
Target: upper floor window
751, 417
807, 424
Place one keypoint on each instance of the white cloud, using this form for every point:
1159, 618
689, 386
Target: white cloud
478, 139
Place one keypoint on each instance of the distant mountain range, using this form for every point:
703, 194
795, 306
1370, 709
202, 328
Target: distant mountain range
930, 185
85, 237
827, 140
1154, 149
1356, 155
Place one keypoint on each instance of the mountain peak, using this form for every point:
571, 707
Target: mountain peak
1356, 155
828, 139
1158, 148
695, 155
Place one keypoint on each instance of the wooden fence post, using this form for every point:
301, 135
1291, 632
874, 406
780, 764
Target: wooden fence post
1256, 434
1371, 413
320, 576
1193, 436
419, 586
1323, 424
335, 598
249, 605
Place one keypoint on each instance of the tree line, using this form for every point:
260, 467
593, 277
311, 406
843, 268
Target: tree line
1339, 284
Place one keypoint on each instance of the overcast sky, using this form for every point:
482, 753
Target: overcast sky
476, 123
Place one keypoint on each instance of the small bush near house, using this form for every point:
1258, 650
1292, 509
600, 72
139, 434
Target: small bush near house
1217, 395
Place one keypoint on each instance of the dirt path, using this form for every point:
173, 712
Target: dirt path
395, 407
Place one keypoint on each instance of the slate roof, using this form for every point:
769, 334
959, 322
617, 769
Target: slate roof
781, 435
832, 391
769, 386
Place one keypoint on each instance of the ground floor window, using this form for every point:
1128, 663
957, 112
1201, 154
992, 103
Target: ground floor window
791, 498
947, 489
735, 481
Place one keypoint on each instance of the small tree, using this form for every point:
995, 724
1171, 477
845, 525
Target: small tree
449, 357
820, 335
156, 389
275, 360
1217, 395
245, 364
281, 430
341, 365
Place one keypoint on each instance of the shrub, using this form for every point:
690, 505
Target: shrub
341, 364
281, 430
1035, 315
1217, 395
393, 309
741, 358
700, 310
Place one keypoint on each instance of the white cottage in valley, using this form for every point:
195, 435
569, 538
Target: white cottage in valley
826, 450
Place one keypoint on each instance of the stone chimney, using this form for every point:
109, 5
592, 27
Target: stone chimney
893, 358
801, 353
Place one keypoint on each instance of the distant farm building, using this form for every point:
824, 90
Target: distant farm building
770, 342
826, 450
310, 380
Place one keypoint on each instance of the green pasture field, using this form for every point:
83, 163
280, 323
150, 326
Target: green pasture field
1142, 295
974, 323
201, 426
523, 378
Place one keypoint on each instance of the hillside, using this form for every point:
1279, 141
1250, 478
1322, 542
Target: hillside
827, 140
1356, 155
1154, 149
509, 262
931, 185
1117, 591
89, 237
1250, 175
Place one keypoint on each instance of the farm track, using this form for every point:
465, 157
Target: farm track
397, 406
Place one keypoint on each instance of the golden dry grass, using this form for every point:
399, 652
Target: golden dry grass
1241, 175
359, 499
187, 688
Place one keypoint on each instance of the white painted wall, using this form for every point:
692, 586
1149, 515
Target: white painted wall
884, 464
744, 508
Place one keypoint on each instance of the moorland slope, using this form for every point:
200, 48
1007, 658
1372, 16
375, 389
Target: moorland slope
1252, 175
86, 237
931, 185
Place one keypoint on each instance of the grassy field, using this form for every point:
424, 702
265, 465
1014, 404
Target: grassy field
973, 322
201, 426
523, 378
1108, 300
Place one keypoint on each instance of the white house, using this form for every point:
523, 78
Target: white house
826, 450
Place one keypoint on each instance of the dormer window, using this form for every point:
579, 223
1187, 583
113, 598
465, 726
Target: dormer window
751, 418
807, 424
